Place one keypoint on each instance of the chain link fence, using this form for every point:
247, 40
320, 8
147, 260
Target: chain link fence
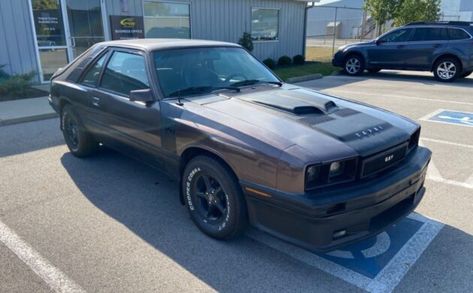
329, 27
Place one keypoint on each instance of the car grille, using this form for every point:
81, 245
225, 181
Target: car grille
384, 160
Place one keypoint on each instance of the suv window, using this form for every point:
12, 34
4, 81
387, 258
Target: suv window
430, 34
92, 75
400, 35
125, 72
458, 34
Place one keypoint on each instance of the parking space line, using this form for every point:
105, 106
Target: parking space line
398, 96
386, 280
468, 146
51, 275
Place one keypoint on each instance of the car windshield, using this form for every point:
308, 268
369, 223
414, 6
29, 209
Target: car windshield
183, 72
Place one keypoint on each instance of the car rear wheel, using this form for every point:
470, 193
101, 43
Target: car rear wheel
354, 65
79, 141
214, 198
447, 69
465, 74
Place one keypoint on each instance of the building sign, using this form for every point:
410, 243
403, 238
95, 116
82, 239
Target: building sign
126, 27
49, 27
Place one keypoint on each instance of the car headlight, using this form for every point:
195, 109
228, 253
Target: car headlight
330, 173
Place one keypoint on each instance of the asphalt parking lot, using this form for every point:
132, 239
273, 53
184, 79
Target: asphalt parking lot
110, 224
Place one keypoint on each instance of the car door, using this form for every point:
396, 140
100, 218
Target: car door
132, 126
424, 46
388, 52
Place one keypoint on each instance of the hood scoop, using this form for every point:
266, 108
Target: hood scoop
294, 102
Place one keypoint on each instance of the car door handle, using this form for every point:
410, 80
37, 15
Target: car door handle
401, 46
96, 101
437, 45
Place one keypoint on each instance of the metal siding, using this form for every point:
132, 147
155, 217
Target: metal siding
17, 49
226, 20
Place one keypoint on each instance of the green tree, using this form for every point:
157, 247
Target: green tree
416, 10
381, 11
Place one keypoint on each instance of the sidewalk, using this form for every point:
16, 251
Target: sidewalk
25, 110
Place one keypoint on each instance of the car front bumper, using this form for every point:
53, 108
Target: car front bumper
338, 59
325, 220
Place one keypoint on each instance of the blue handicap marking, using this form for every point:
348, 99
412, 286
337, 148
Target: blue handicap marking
370, 256
454, 117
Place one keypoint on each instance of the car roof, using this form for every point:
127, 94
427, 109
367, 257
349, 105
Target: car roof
158, 44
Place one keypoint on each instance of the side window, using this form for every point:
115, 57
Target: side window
125, 72
430, 34
458, 34
400, 35
92, 76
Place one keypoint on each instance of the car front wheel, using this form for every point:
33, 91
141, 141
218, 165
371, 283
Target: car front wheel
78, 140
354, 65
447, 69
214, 198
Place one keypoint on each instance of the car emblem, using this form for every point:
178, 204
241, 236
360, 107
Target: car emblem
388, 158
369, 131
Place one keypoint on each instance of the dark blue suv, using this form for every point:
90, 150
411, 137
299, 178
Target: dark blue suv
444, 48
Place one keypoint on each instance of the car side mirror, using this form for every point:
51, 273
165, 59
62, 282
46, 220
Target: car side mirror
379, 42
145, 96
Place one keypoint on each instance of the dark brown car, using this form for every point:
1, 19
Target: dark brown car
316, 170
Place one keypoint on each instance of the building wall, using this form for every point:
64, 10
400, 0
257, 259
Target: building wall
17, 47
227, 20
224, 20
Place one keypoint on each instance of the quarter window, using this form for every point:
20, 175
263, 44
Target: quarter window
458, 34
92, 76
264, 24
125, 72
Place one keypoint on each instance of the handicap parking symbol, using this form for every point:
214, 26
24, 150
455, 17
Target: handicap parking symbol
452, 117
376, 264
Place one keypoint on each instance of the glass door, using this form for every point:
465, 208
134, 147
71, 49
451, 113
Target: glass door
84, 19
50, 36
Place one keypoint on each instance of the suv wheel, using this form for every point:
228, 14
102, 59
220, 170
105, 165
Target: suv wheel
214, 198
354, 65
78, 140
447, 69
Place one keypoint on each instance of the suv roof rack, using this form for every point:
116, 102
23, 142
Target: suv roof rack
458, 23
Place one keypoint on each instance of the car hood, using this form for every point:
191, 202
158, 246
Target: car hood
323, 125
372, 42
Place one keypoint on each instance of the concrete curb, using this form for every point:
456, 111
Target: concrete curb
28, 119
304, 78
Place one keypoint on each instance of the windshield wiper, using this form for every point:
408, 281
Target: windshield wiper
194, 90
254, 81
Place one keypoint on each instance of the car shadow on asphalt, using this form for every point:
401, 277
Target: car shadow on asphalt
342, 79
147, 203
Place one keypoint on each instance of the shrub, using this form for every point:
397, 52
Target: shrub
3, 74
15, 86
298, 60
284, 61
246, 41
270, 63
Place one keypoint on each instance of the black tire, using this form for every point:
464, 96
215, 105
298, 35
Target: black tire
374, 70
354, 65
465, 74
214, 198
80, 143
447, 69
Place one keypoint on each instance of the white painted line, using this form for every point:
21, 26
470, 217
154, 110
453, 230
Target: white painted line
468, 146
397, 96
448, 123
386, 280
56, 279
430, 115
399, 265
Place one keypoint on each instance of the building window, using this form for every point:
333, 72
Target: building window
166, 20
264, 24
